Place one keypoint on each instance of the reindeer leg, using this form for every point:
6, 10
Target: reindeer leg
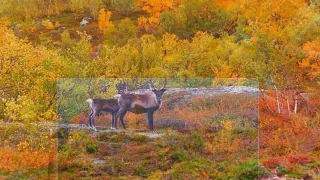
116, 117
119, 113
121, 119
150, 119
113, 122
93, 121
90, 119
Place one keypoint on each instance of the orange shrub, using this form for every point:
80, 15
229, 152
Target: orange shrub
11, 159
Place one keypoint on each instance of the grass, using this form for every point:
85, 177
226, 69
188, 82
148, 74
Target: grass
134, 155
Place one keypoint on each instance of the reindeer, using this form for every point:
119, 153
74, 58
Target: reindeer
141, 103
109, 106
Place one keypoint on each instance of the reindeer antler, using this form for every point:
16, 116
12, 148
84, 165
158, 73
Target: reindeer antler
125, 86
164, 83
151, 85
90, 94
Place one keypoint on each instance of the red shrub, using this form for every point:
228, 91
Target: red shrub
272, 162
301, 159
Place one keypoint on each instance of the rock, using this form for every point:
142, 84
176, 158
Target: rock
98, 161
150, 135
61, 29
84, 21
15, 27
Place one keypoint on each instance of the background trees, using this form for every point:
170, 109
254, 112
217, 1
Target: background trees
169, 39
276, 42
28, 78
119, 35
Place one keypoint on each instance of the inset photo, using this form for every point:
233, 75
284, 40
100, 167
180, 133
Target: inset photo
151, 128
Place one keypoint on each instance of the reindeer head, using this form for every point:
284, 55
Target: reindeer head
122, 88
158, 92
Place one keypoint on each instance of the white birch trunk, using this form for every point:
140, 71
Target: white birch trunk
296, 97
277, 98
288, 104
295, 103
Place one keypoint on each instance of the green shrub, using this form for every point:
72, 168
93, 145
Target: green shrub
120, 138
289, 173
248, 170
140, 170
194, 142
179, 155
92, 147
195, 169
139, 138
106, 136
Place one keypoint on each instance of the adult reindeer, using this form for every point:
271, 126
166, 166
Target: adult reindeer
109, 106
141, 103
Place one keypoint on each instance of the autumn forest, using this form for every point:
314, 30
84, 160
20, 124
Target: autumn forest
54, 54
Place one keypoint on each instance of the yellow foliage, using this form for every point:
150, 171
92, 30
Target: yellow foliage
229, 5
4, 22
312, 61
29, 72
225, 72
49, 115
155, 7
227, 125
48, 24
56, 24
148, 24
22, 109
223, 141
170, 41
